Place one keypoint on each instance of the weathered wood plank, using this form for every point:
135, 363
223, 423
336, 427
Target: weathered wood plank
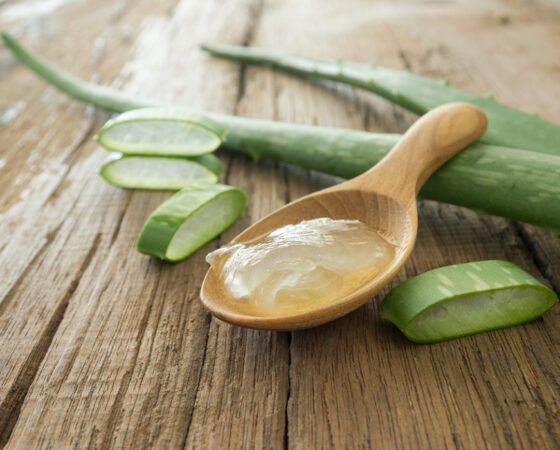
50, 177
360, 380
124, 365
103, 347
43, 180
242, 395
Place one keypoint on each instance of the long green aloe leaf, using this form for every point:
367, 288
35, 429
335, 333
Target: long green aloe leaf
508, 127
512, 183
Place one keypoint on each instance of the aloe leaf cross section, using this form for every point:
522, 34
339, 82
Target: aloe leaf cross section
190, 219
161, 131
155, 173
464, 299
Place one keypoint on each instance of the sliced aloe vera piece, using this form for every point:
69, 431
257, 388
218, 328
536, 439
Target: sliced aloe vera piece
464, 299
210, 162
189, 220
149, 172
161, 131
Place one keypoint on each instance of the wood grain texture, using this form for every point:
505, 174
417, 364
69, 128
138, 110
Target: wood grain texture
101, 347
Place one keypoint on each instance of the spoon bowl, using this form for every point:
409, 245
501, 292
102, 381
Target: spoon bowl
383, 198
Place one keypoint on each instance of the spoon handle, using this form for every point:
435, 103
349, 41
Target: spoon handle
432, 140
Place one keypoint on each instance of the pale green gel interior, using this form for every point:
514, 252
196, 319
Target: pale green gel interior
160, 136
204, 224
158, 172
473, 313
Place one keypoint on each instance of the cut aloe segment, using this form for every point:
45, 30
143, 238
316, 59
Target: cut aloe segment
465, 299
210, 162
161, 131
189, 220
149, 172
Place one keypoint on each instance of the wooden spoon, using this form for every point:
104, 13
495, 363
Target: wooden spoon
384, 198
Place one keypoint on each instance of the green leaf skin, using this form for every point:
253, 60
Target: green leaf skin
512, 183
210, 162
465, 299
189, 220
507, 127
155, 173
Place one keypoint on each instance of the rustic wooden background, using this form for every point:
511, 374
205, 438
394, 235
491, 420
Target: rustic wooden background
101, 346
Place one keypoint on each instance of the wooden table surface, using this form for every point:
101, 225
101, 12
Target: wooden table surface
103, 347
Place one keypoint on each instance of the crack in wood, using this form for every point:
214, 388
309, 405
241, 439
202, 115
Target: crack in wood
255, 12
288, 397
117, 229
70, 160
117, 407
150, 402
72, 357
199, 379
208, 318
90, 111
544, 265
10, 408
121, 8
49, 237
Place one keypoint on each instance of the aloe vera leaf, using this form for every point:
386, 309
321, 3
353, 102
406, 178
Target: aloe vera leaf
161, 131
476, 178
189, 220
464, 299
156, 173
482, 177
105, 97
508, 127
